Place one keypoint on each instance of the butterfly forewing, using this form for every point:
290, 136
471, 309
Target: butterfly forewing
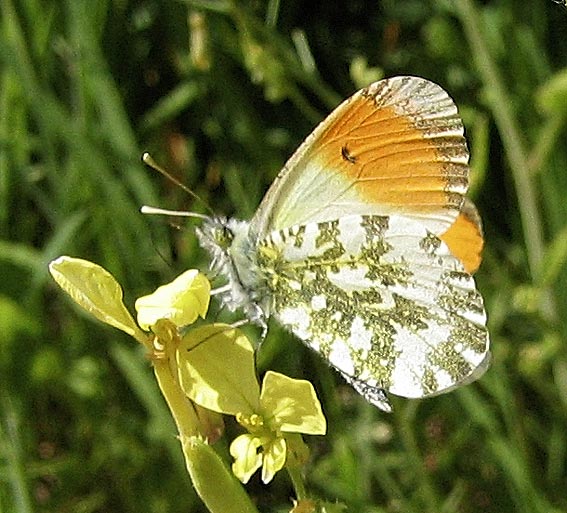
395, 147
381, 298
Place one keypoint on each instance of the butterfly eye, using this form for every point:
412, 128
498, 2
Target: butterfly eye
223, 236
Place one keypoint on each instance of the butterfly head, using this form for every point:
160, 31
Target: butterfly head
216, 236
233, 256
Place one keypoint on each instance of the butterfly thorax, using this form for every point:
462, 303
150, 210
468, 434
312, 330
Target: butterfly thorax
231, 246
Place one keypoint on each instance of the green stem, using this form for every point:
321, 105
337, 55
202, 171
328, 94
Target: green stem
10, 443
297, 482
180, 407
511, 138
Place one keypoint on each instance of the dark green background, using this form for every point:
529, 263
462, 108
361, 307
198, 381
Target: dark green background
222, 93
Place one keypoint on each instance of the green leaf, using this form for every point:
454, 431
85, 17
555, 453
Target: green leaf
291, 405
216, 369
96, 290
181, 301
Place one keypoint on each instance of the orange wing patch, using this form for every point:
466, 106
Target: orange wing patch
403, 149
465, 239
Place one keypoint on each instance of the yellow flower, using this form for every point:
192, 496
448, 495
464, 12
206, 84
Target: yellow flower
287, 407
163, 313
97, 291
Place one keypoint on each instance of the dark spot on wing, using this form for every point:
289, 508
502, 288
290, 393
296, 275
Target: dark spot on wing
346, 155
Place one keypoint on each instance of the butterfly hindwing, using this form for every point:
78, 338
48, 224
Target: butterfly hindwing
381, 298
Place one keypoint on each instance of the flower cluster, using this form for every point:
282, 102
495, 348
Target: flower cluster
204, 371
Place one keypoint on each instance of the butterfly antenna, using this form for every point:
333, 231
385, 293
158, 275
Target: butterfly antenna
146, 209
149, 161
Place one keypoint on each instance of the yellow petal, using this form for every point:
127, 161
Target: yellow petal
274, 459
96, 290
216, 369
247, 459
181, 301
291, 405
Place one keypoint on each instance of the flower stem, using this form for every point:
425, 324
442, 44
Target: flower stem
297, 482
180, 407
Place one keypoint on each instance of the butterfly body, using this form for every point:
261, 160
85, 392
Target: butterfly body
234, 256
365, 244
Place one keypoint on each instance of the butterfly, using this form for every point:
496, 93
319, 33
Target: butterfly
364, 246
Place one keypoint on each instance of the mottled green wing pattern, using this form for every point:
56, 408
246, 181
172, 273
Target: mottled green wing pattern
382, 299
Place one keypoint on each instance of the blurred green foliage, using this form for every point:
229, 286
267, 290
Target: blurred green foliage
221, 92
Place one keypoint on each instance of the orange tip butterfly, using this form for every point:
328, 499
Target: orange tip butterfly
365, 245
